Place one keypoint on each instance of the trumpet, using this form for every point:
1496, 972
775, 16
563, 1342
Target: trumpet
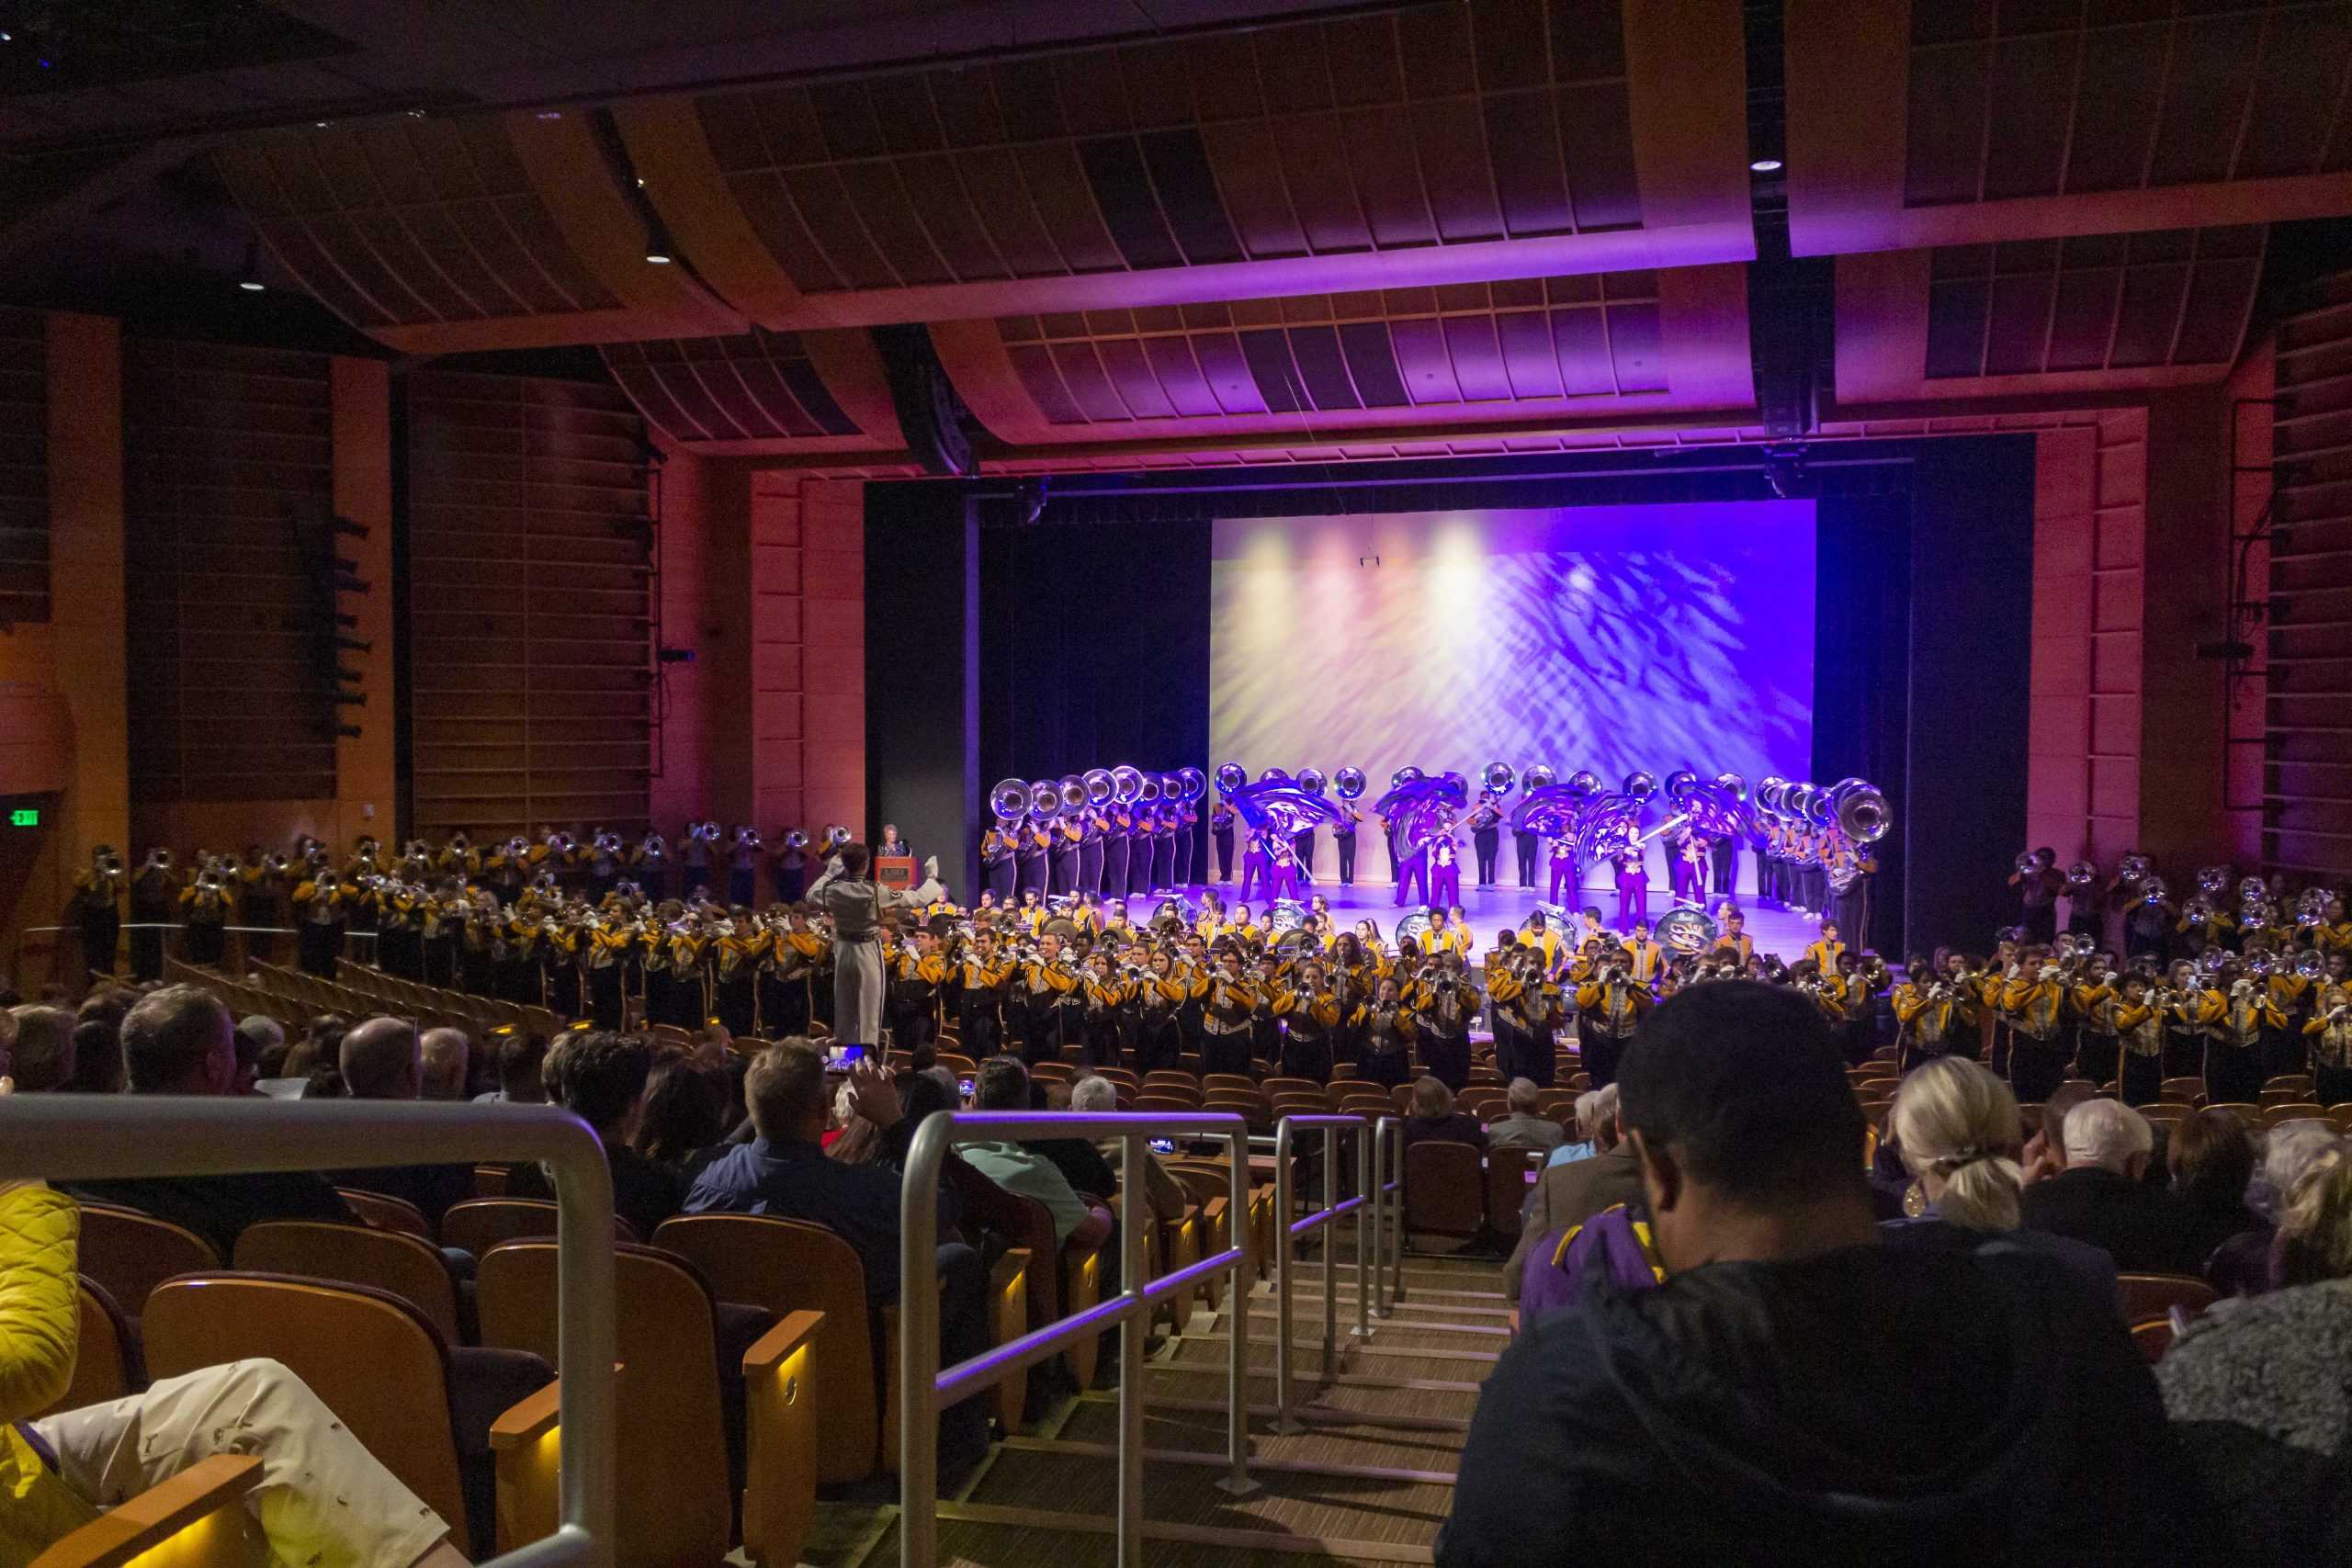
836, 837
2028, 863
795, 839
748, 839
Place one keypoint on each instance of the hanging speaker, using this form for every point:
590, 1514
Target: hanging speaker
936, 423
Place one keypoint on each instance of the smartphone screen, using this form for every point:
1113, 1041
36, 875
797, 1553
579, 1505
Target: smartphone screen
965, 1086
1163, 1146
845, 1056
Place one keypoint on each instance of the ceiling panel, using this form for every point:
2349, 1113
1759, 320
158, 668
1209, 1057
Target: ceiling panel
2038, 119
800, 394
1502, 138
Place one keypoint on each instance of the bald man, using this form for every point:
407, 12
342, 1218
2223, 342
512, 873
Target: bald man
383, 1059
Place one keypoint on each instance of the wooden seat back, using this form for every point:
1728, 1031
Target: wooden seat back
1444, 1190
794, 1266
387, 1212
2152, 1295
106, 1366
673, 1493
129, 1253
374, 1361
1506, 1186
479, 1224
393, 1262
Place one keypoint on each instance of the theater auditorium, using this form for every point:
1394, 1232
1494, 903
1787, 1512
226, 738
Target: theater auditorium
1489, 783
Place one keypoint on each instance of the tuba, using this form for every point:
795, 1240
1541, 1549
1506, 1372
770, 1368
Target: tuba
1540, 776
1046, 798
1009, 800
1312, 781
1126, 784
1073, 794
1351, 782
1147, 790
1231, 776
1859, 811
1497, 777
1190, 784
1640, 786
1099, 786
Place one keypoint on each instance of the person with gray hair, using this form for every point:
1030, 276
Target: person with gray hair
1595, 1115
381, 1060
1093, 1096
448, 1058
1523, 1129
2102, 1197
42, 1058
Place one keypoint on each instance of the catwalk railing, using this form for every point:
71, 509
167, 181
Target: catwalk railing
926, 1388
72, 1137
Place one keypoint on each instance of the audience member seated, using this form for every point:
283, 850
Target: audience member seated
2045, 1150
1523, 1129
323, 1501
2209, 1159
1433, 1120
600, 1076
448, 1062
685, 1112
383, 1060
1596, 1111
2241, 1265
2256, 1389
1165, 1195
1086, 1167
782, 1172
1793, 1390
179, 1040
42, 1057
1003, 1085
1570, 1194
2101, 1198
1957, 1127
521, 1063
97, 1056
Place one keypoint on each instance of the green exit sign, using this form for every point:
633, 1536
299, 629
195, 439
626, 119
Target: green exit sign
25, 816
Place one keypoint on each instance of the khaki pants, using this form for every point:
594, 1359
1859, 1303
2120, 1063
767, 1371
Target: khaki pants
323, 1500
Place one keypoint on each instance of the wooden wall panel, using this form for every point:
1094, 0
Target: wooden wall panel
228, 469
808, 653
24, 467
529, 604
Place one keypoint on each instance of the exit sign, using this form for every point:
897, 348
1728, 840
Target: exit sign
25, 816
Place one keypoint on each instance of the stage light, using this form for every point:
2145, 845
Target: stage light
1764, 165
657, 257
1784, 471
245, 278
249, 286
551, 114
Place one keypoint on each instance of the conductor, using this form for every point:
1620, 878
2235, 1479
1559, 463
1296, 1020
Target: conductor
856, 903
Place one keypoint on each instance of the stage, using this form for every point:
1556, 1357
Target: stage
1490, 909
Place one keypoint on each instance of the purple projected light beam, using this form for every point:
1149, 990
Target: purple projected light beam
1617, 638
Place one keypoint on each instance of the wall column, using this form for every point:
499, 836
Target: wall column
365, 783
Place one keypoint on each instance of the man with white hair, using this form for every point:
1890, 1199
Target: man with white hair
1163, 1195
1523, 1129
2102, 1197
1594, 1116
448, 1056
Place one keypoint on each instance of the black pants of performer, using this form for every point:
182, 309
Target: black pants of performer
1164, 862
1030, 874
100, 932
1052, 1026
1602, 1052
1223, 838
254, 914
1387, 1068
913, 1025
605, 1004
317, 948
783, 1007
441, 961
735, 1001
203, 941
1307, 1058
1114, 867
1486, 841
2096, 1056
2334, 1085
1347, 844
1227, 1053
1103, 1043
1158, 1043
1446, 1057
1523, 846
1515, 1055
147, 943
1303, 844
2183, 1053
2282, 1051
1062, 873
2233, 1074
742, 885
1089, 867
1000, 880
2143, 1081
2036, 1067
475, 975
1722, 857
1138, 868
2040, 922
789, 881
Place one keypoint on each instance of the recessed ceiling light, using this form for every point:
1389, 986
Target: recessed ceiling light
551, 114
1765, 165
319, 124
657, 258
249, 286
8, 37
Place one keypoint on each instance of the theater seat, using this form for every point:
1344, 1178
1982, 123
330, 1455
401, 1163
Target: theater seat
1507, 1187
674, 1503
393, 1262
130, 1254
195, 1519
387, 1212
108, 1363
479, 1224
1444, 1190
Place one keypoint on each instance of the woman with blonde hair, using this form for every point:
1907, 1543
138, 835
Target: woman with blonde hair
1956, 1128
2255, 1388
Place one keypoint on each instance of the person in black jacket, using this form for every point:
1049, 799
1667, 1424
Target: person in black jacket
1794, 1391
2103, 1197
600, 1077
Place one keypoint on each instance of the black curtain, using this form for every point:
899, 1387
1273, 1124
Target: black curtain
1860, 653
922, 772
1094, 649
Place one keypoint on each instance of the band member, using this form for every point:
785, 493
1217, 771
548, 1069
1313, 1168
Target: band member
1525, 842
919, 972
154, 893
1734, 937
1343, 837
319, 910
1302, 844
1163, 849
983, 970
1444, 854
2034, 998
1722, 856
1253, 860
1118, 832
1412, 863
1923, 1008
1687, 868
2234, 1038
1063, 836
1608, 1006
1562, 856
2329, 1033
1485, 835
996, 861
1090, 823
1445, 1004
2038, 897
788, 872
95, 910
856, 904
1282, 866
1642, 954
1632, 887
1227, 1016
693, 857
1388, 1033
649, 867
1139, 847
1031, 841
1221, 836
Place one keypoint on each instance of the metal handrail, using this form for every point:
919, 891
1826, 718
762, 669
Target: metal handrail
1288, 1231
924, 1387
1391, 1137
73, 1138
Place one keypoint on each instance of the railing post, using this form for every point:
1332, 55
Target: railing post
1330, 1260
919, 1344
1134, 1267
1284, 1201
1393, 1134
1367, 1227
1236, 1481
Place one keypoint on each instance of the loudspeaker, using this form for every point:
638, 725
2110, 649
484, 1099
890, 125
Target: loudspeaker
938, 426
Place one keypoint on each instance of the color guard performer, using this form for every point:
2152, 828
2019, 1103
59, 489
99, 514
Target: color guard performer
1633, 885
1445, 855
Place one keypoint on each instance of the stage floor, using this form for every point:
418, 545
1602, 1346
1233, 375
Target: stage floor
1778, 931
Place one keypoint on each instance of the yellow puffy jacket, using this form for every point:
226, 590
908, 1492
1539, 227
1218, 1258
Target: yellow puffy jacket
40, 1331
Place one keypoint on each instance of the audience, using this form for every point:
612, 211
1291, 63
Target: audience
600, 1076
1086, 1167
782, 1172
2209, 1159
382, 1059
1793, 1388
1523, 1129
1596, 1111
42, 1057
1567, 1195
521, 1062
178, 1039
448, 1062
1431, 1119
686, 1117
1956, 1126
2241, 1265
97, 1056
2100, 1198
322, 1500
1020, 1170
2257, 1391
1163, 1194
